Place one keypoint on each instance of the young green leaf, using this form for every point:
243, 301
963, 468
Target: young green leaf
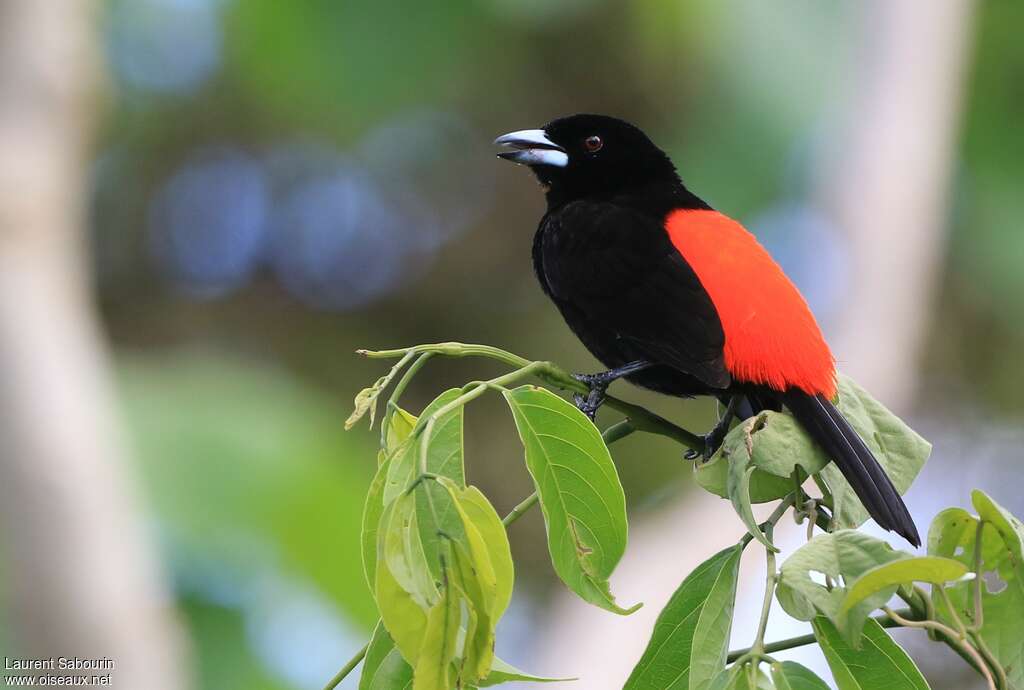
580, 495
398, 541
845, 554
1009, 527
402, 617
444, 449
373, 509
400, 426
478, 510
434, 665
472, 571
898, 448
880, 664
934, 569
738, 487
690, 640
953, 534
790, 675
384, 668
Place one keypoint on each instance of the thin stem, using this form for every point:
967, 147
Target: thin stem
804, 640
618, 431
769, 591
951, 634
347, 668
642, 419
521, 508
978, 618
776, 515
990, 658
961, 629
399, 389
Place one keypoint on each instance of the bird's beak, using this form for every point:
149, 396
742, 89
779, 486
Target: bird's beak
532, 147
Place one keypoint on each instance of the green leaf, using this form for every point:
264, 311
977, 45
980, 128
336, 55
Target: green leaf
953, 534
897, 447
880, 664
690, 641
845, 554
771, 442
1010, 528
400, 426
580, 494
373, 509
474, 574
790, 675
739, 494
399, 543
384, 668
444, 449
403, 618
479, 511
738, 678
503, 672
934, 569
434, 665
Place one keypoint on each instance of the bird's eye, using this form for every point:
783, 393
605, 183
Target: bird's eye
593, 143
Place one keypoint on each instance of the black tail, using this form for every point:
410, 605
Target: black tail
831, 430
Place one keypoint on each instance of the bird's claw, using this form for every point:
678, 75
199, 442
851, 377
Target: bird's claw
712, 442
588, 404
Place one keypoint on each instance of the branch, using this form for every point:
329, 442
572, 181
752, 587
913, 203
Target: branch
804, 640
549, 372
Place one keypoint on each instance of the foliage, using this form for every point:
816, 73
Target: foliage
437, 556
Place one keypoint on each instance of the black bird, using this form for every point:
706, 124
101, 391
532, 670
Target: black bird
676, 297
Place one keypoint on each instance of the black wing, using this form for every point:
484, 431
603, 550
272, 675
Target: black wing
619, 268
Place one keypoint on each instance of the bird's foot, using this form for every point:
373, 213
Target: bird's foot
712, 440
598, 383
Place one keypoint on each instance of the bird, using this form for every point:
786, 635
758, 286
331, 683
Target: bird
679, 298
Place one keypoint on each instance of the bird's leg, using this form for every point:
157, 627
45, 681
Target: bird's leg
598, 384
713, 439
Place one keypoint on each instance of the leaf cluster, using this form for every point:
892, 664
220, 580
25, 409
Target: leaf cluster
437, 557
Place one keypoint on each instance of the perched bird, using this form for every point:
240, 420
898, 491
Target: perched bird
681, 299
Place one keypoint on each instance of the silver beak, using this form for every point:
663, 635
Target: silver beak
532, 147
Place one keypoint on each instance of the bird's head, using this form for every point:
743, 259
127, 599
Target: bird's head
589, 157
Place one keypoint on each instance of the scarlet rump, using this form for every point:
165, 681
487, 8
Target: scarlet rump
676, 297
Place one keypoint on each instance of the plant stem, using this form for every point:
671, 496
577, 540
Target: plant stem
978, 620
953, 638
804, 640
518, 511
1001, 682
769, 591
347, 668
642, 419
400, 387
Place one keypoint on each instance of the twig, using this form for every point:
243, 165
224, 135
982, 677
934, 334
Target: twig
642, 419
804, 640
952, 636
347, 668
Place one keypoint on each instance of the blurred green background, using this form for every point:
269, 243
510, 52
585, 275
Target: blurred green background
277, 183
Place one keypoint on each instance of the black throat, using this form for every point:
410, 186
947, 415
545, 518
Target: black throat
655, 198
